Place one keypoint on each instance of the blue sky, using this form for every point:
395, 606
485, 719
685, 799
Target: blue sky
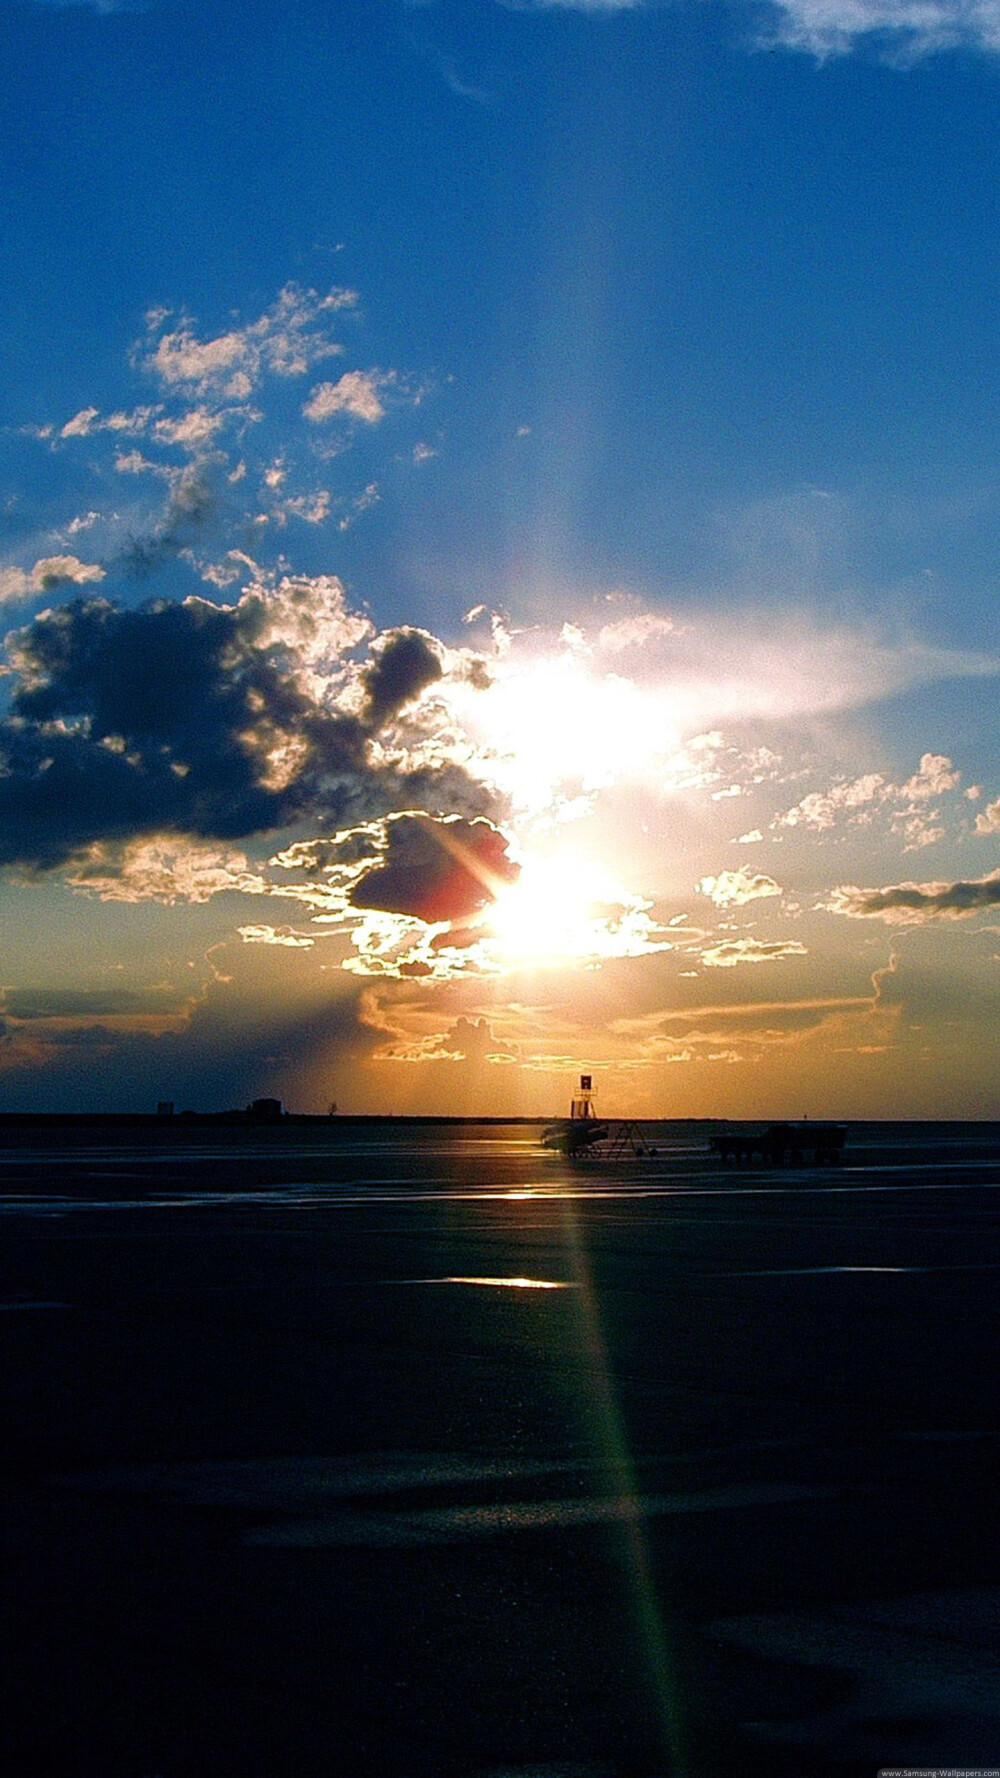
683, 313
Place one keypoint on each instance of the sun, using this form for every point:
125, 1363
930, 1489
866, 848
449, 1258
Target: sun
566, 909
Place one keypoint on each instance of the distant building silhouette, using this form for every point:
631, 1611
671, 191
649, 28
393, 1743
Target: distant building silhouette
267, 1111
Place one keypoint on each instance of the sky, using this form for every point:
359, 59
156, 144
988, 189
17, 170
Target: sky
500, 506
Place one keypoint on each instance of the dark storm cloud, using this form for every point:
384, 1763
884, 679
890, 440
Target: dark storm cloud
446, 786
238, 1044
63, 1003
916, 901
405, 664
189, 718
473, 1039
437, 870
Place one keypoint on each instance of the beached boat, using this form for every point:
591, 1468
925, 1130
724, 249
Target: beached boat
574, 1135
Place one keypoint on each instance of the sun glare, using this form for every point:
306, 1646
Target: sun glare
563, 910
555, 722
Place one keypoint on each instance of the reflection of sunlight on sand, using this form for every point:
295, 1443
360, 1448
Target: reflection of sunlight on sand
505, 1283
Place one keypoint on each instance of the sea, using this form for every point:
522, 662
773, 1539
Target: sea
363, 1448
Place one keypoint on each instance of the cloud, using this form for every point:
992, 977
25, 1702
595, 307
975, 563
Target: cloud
283, 936
731, 888
192, 429
406, 662
74, 1003
82, 423
860, 802
989, 820
933, 777
220, 405
750, 950
285, 341
913, 903
606, 6
356, 393
312, 509
820, 809
363, 502
436, 871
636, 630
904, 29
87, 421
468, 1040
571, 706
210, 721
265, 1022
134, 463
357, 845
168, 871
48, 574
198, 498
742, 1018
474, 1040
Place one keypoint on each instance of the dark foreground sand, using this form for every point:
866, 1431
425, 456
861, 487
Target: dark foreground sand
288, 1489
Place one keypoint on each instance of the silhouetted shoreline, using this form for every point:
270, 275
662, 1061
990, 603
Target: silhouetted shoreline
322, 1121
246, 1119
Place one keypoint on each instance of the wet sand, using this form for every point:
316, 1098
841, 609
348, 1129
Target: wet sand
423, 1453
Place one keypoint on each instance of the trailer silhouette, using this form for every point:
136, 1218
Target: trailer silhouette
802, 1144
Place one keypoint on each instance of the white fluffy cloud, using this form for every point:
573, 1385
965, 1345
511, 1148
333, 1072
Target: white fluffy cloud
732, 888
49, 573
356, 393
903, 29
862, 802
908, 28
821, 809
286, 340
167, 870
219, 401
933, 777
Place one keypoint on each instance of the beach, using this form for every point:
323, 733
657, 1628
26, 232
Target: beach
416, 1450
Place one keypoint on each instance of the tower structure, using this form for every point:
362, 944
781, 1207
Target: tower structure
583, 1107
